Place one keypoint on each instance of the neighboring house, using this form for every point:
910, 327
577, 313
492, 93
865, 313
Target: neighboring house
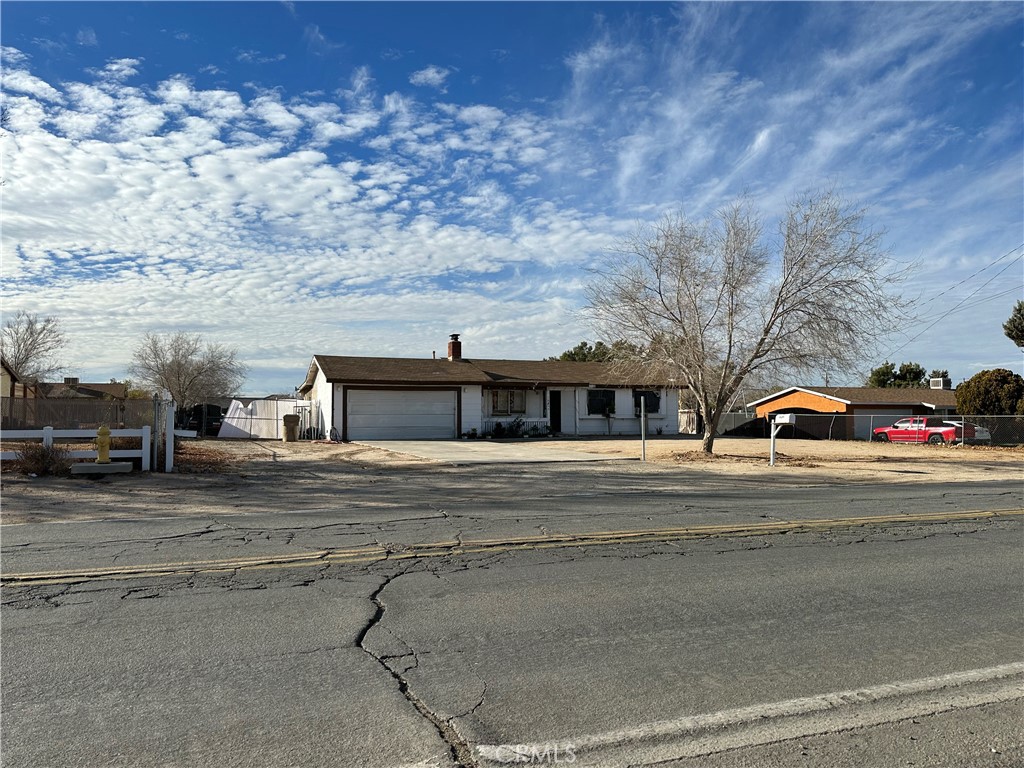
72, 388
367, 398
11, 385
870, 406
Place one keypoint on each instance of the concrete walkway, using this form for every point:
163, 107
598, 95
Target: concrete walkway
485, 451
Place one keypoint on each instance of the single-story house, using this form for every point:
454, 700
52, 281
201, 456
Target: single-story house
869, 407
381, 398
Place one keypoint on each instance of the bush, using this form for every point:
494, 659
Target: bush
39, 459
996, 392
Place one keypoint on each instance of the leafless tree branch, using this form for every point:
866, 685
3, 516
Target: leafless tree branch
186, 368
716, 301
32, 345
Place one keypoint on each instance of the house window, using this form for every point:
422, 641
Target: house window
600, 402
504, 401
650, 398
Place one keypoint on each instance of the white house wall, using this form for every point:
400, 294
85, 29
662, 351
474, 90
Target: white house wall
623, 422
337, 415
476, 410
473, 405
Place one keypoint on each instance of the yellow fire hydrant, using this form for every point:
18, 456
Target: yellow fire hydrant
103, 445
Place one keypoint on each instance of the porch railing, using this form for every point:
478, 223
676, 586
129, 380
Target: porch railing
529, 426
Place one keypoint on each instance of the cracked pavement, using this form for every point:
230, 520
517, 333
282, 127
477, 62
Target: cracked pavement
419, 661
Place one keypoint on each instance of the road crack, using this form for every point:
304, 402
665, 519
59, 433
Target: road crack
459, 750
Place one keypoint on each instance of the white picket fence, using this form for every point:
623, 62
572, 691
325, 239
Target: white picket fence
49, 434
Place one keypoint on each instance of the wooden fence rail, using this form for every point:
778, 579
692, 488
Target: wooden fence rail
49, 434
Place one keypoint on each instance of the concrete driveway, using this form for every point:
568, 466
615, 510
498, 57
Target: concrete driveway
485, 451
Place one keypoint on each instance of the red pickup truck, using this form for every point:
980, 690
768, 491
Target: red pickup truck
930, 429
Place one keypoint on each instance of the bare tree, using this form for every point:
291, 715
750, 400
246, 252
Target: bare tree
713, 302
186, 368
32, 345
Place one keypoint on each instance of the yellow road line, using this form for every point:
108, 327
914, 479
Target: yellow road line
373, 553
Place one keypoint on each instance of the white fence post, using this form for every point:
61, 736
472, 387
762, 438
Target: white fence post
146, 437
169, 439
48, 436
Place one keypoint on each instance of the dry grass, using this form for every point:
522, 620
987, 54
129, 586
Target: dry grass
39, 459
199, 458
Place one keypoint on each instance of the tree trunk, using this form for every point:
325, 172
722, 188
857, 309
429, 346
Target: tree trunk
708, 441
710, 428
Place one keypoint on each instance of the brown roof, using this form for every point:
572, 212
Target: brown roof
60, 389
510, 373
942, 398
397, 370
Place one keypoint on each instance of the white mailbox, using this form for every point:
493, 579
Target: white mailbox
780, 420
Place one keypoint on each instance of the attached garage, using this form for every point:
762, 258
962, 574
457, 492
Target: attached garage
401, 414
396, 398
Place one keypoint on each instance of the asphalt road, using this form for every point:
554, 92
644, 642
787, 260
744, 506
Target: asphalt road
827, 644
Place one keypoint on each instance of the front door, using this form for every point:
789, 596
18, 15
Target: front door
556, 412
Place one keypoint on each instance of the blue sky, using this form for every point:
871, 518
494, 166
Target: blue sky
366, 178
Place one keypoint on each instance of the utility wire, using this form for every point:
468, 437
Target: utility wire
975, 274
979, 302
958, 305
959, 308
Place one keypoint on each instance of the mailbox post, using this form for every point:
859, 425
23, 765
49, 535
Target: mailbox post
780, 420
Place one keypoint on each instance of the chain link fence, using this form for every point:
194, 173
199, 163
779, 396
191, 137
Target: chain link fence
970, 429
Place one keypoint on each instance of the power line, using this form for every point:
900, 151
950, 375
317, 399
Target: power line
959, 304
979, 302
959, 308
975, 274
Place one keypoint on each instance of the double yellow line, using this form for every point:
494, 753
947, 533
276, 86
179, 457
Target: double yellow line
376, 553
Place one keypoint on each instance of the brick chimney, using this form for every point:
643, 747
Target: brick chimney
454, 347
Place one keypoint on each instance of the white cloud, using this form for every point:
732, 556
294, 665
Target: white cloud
19, 81
270, 111
257, 57
432, 77
369, 214
87, 36
316, 41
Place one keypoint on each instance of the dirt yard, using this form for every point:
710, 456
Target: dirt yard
800, 460
809, 460
823, 460
217, 476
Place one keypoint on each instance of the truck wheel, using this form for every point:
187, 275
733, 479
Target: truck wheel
881, 437
936, 440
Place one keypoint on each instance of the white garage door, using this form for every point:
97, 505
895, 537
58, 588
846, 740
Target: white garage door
380, 414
